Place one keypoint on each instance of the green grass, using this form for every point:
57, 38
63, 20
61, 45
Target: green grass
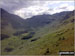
59, 39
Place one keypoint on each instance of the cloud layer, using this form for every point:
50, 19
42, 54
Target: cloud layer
29, 8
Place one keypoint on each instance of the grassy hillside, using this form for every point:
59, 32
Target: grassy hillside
48, 41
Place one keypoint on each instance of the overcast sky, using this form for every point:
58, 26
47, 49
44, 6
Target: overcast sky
29, 8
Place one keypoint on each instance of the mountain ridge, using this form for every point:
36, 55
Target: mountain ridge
42, 34
15, 22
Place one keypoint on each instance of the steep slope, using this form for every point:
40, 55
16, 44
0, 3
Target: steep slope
10, 23
45, 19
39, 21
61, 39
14, 20
53, 35
58, 21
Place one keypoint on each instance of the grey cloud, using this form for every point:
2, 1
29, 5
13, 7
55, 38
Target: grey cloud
11, 5
63, 8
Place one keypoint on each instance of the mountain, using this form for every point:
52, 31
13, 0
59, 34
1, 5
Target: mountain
45, 19
39, 35
14, 20
49, 40
10, 24
35, 21
39, 21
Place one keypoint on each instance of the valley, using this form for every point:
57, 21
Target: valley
39, 35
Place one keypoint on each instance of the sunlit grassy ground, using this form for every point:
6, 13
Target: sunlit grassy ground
50, 44
47, 43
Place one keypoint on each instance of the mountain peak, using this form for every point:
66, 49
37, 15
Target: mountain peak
2, 10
